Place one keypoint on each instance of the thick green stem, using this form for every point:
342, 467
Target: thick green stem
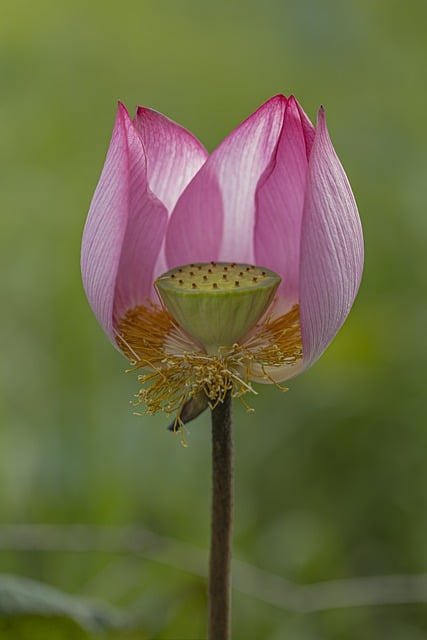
222, 521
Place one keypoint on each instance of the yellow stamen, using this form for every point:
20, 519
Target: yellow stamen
178, 368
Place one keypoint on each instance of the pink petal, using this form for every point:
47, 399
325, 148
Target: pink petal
173, 154
280, 202
214, 218
331, 248
123, 231
105, 229
145, 231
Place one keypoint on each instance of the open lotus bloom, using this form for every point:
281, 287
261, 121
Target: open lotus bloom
209, 271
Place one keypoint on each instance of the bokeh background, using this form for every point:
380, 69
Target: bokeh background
331, 478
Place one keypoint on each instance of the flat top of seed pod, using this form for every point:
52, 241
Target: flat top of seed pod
218, 277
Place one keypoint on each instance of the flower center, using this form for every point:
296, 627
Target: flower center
219, 302
175, 346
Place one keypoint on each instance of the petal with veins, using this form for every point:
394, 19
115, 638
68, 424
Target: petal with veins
331, 260
173, 154
280, 202
124, 229
105, 229
214, 218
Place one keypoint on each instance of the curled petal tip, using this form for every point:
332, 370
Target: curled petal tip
121, 108
321, 116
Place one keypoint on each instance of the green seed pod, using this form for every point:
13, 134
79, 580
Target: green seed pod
219, 302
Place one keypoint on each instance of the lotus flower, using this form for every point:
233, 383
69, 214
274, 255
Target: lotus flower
272, 196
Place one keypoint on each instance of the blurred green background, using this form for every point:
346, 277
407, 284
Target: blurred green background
331, 478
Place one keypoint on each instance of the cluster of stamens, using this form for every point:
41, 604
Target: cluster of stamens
178, 368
